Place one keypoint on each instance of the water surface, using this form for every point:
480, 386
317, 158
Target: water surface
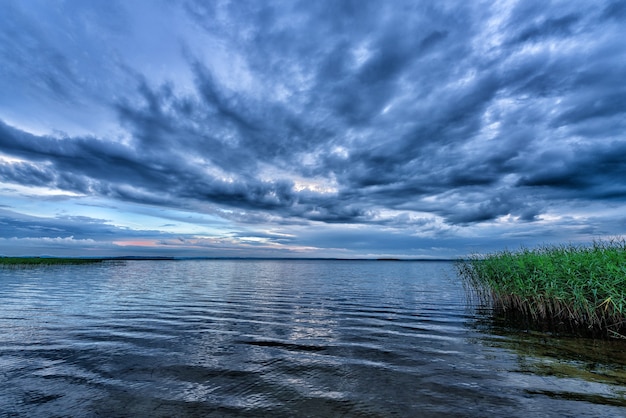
282, 338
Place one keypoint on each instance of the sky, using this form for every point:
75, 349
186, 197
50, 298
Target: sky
348, 129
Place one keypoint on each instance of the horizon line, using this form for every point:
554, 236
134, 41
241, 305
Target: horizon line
181, 258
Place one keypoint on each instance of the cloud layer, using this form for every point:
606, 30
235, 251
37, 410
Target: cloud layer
431, 118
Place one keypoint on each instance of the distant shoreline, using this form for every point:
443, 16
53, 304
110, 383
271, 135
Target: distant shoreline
83, 259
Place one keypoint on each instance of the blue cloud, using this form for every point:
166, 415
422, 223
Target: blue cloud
320, 114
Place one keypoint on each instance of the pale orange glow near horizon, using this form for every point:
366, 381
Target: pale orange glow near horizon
136, 243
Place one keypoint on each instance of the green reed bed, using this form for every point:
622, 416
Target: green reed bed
17, 262
580, 289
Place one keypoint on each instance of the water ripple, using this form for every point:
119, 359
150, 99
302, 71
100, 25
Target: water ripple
279, 338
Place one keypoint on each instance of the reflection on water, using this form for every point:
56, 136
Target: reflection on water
577, 368
282, 338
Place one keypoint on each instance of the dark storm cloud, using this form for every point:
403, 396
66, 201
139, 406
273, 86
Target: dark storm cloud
16, 225
469, 111
599, 171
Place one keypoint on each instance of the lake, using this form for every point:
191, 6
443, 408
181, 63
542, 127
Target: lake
282, 338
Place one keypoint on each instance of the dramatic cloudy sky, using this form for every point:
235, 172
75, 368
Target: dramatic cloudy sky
292, 128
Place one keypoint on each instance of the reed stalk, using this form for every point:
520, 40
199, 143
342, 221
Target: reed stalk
580, 289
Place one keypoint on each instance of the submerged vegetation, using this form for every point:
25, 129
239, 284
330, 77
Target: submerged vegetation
578, 289
44, 261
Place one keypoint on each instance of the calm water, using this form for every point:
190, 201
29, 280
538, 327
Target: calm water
282, 338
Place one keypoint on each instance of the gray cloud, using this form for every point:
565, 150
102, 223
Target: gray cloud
16, 225
465, 111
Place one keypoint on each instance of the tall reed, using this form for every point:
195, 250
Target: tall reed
580, 289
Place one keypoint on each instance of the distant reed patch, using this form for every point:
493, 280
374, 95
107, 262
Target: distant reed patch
578, 289
17, 262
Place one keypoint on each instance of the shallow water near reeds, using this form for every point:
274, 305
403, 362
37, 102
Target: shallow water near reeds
282, 338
